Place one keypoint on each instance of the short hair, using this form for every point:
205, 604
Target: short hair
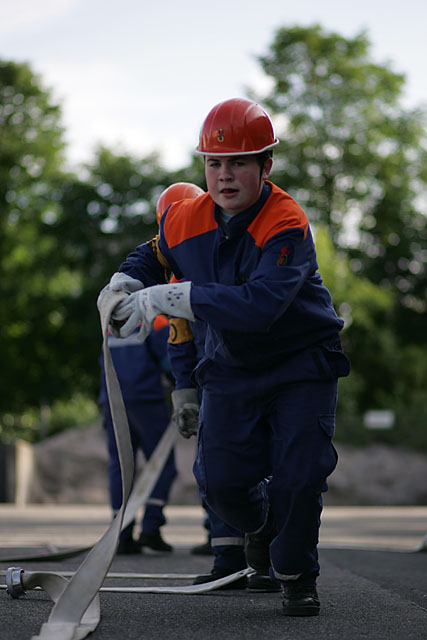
262, 158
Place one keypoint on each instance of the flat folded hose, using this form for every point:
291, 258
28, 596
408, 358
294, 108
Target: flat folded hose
76, 611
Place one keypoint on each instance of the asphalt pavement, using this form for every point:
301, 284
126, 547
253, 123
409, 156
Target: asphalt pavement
373, 582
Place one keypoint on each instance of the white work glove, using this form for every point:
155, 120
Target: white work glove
186, 411
142, 307
119, 282
122, 282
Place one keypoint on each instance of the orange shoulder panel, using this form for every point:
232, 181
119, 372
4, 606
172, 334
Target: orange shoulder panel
189, 218
280, 212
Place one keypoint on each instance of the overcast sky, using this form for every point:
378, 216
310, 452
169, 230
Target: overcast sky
140, 75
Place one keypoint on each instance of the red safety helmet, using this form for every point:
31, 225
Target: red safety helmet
236, 127
177, 191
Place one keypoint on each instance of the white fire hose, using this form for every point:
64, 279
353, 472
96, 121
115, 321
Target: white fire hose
76, 612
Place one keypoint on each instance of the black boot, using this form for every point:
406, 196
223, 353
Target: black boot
299, 600
154, 541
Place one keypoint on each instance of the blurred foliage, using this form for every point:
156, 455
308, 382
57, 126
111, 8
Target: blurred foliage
37, 423
349, 153
363, 306
31, 152
384, 373
62, 236
356, 160
101, 218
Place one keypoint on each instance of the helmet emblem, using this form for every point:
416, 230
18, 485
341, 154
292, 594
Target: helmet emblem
220, 136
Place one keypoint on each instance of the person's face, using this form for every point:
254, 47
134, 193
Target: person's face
234, 182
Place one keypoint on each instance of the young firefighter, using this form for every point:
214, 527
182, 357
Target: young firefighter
273, 353
185, 349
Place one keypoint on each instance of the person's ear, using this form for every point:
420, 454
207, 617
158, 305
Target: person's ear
268, 164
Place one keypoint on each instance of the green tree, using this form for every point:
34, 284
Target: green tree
352, 155
194, 173
99, 220
61, 237
385, 373
31, 146
356, 161
364, 307
346, 135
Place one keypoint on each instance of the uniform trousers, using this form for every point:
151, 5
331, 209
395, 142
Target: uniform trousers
147, 423
265, 442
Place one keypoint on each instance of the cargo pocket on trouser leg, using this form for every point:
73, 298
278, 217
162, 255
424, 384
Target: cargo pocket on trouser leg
327, 457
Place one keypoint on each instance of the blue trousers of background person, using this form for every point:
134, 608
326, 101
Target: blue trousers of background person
227, 543
147, 423
277, 423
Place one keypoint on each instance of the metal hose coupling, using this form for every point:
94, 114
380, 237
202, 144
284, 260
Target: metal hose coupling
14, 583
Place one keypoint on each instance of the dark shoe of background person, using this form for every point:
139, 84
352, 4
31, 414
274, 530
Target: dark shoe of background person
257, 546
204, 549
155, 542
258, 582
220, 572
300, 601
128, 546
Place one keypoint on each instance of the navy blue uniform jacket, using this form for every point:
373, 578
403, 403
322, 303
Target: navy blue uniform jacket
255, 279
